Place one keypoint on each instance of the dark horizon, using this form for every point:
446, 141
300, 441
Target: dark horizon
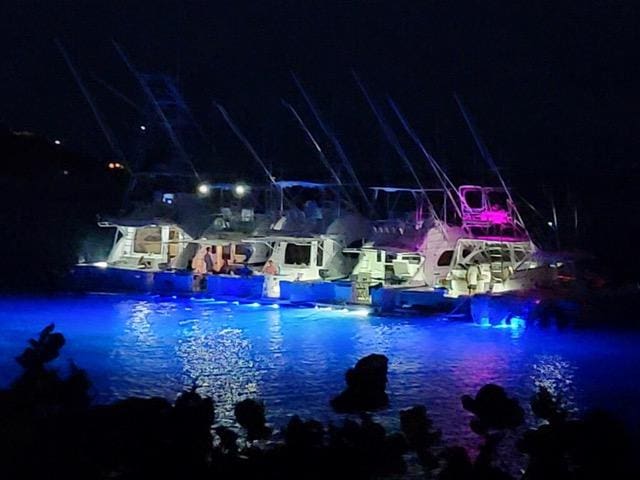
551, 87
525, 71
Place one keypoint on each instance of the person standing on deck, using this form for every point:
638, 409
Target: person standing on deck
270, 268
209, 260
199, 268
198, 264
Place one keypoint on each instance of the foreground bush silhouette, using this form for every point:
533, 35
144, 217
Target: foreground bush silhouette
596, 446
417, 428
250, 415
49, 429
366, 384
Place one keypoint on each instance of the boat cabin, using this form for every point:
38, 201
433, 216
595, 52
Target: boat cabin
490, 266
426, 264
152, 247
495, 254
307, 258
383, 265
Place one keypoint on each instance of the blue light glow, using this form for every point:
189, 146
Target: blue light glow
295, 358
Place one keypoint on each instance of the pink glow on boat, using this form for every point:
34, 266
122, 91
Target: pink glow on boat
501, 238
495, 217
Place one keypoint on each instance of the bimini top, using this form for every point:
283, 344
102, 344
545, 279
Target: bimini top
185, 211
299, 183
405, 189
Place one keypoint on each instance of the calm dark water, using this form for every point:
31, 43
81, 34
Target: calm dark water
294, 358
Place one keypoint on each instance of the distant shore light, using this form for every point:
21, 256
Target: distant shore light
57, 142
143, 127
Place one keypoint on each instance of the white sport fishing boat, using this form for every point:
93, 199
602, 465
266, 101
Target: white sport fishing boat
489, 252
408, 249
156, 242
496, 254
307, 243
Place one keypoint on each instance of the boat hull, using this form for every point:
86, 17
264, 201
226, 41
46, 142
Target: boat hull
533, 307
88, 278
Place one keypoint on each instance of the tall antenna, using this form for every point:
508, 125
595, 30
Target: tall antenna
444, 180
117, 93
393, 140
336, 143
159, 112
484, 151
246, 143
323, 158
96, 113
253, 153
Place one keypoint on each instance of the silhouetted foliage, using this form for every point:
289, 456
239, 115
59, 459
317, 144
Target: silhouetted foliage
43, 350
49, 429
250, 415
493, 410
417, 427
303, 435
594, 447
366, 384
544, 406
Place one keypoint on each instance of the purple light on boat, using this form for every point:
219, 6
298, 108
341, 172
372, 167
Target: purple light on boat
495, 217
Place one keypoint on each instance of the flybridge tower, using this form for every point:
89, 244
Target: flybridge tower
168, 136
167, 130
488, 212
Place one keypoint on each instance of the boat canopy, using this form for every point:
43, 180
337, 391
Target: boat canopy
405, 189
298, 183
302, 240
186, 211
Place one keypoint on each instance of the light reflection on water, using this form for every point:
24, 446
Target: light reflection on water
295, 359
557, 375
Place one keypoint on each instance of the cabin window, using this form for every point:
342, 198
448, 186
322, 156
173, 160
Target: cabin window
505, 256
379, 256
174, 245
148, 240
498, 200
388, 270
473, 198
226, 252
297, 254
445, 258
413, 259
320, 254
242, 249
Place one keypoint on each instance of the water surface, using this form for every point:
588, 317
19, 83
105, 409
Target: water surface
295, 358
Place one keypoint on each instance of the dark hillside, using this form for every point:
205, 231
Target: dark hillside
49, 201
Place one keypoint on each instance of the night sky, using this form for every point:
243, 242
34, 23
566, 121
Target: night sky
552, 85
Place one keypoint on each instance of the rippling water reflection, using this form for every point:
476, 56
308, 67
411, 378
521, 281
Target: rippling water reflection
294, 359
